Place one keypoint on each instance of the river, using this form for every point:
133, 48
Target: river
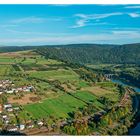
136, 129
124, 84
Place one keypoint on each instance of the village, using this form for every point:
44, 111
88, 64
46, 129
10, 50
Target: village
7, 86
9, 111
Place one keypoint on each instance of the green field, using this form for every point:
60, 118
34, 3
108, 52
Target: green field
61, 106
88, 97
42, 60
82, 83
60, 74
57, 107
5, 70
7, 60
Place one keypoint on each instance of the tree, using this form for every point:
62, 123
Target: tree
4, 99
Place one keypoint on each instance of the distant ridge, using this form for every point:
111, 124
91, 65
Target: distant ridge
86, 53
94, 53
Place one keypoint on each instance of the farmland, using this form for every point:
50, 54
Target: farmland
61, 106
58, 107
58, 90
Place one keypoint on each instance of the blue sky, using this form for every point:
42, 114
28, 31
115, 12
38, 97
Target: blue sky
67, 24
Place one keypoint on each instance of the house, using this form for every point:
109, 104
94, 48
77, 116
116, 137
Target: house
26, 90
19, 89
12, 128
30, 87
21, 126
30, 125
9, 109
10, 91
7, 106
1, 108
1, 91
40, 123
16, 108
4, 116
6, 120
16, 91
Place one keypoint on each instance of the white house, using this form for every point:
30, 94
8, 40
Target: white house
6, 121
10, 91
26, 90
10, 109
12, 128
4, 116
7, 106
21, 126
40, 123
19, 89
16, 108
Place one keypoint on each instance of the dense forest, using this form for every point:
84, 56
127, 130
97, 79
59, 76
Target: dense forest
4, 49
94, 54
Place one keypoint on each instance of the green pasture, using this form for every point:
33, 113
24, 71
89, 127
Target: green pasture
57, 107
42, 60
61, 74
7, 60
62, 105
5, 70
88, 97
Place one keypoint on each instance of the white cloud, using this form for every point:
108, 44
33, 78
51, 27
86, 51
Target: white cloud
96, 18
84, 19
34, 19
18, 32
112, 37
8, 25
29, 20
80, 23
134, 15
126, 32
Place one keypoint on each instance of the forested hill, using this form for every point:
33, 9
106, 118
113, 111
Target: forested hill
92, 54
17, 48
86, 53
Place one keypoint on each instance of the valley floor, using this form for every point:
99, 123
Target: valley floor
42, 96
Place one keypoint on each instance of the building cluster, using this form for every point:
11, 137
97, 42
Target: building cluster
7, 86
8, 108
6, 111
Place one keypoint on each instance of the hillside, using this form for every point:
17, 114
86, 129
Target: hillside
86, 53
91, 54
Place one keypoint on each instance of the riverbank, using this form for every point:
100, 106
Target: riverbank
135, 128
124, 83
